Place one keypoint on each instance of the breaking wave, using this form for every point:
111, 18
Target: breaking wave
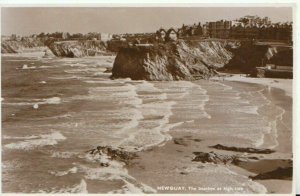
32, 142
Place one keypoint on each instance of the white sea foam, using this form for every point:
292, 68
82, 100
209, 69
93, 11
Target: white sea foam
247, 109
63, 155
115, 170
32, 142
78, 65
68, 77
101, 74
130, 188
72, 170
36, 102
25, 66
35, 106
20, 137
104, 82
52, 100
125, 94
79, 188
263, 102
46, 67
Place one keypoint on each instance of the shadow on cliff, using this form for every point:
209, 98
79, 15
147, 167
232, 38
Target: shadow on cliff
249, 56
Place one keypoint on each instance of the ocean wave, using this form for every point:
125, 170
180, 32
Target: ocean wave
78, 65
25, 66
247, 109
68, 77
124, 94
72, 170
130, 188
51, 100
115, 170
79, 188
63, 155
32, 142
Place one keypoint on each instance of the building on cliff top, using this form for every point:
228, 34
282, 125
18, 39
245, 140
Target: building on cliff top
171, 35
105, 36
161, 35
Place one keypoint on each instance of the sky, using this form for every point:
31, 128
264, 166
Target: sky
34, 20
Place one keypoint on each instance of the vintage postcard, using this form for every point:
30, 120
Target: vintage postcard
147, 99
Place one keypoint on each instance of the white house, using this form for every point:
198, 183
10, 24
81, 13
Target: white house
105, 36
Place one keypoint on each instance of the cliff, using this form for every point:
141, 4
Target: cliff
11, 46
250, 55
179, 60
78, 48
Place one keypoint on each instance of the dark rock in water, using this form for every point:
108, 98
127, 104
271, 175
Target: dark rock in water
170, 61
212, 157
240, 149
114, 153
279, 173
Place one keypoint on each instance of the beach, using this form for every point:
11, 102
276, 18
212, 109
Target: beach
173, 168
283, 84
203, 136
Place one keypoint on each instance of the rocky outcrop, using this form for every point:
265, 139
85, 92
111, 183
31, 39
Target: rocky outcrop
114, 153
279, 173
276, 169
78, 48
240, 149
171, 61
212, 157
11, 46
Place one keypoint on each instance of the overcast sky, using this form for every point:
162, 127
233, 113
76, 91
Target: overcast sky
25, 21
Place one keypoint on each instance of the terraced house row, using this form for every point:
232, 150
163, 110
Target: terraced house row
248, 27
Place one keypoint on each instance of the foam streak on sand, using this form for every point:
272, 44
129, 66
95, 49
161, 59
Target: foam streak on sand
273, 121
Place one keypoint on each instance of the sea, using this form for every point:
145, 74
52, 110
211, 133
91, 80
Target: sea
54, 110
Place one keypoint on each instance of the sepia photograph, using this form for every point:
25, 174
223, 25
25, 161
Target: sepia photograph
173, 99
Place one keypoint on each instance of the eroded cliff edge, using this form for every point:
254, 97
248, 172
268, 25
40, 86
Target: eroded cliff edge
181, 60
190, 60
25, 45
78, 48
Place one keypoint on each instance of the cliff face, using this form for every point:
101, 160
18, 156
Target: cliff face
249, 56
78, 48
9, 46
171, 61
